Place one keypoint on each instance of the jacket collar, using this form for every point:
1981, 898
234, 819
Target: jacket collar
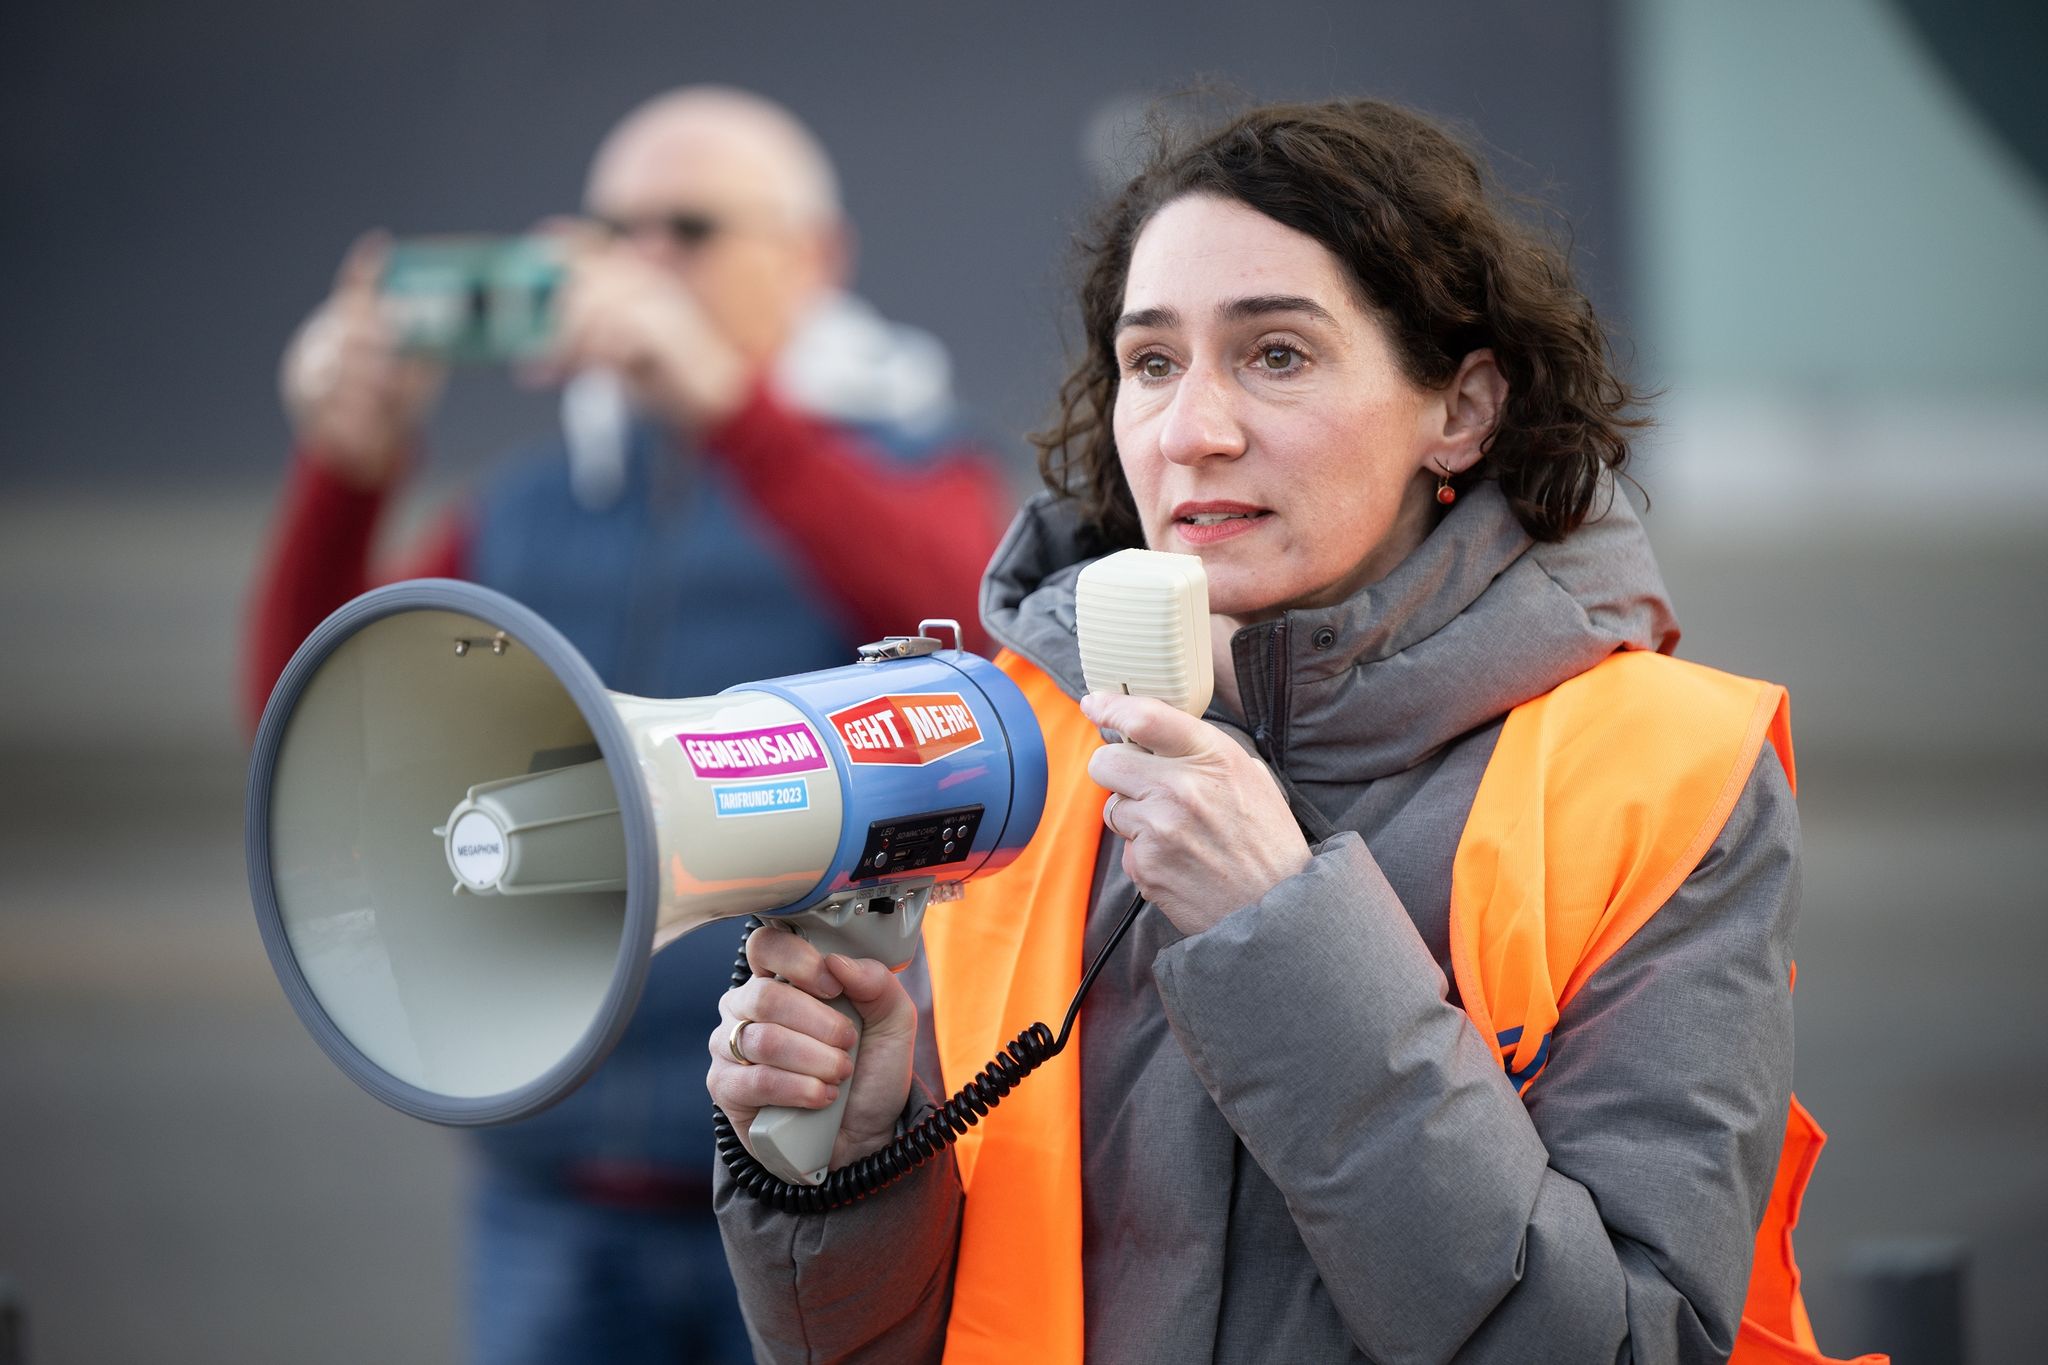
1476, 621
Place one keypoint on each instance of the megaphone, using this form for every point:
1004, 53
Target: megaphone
463, 848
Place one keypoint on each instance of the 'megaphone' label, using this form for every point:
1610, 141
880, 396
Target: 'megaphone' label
754, 753
476, 850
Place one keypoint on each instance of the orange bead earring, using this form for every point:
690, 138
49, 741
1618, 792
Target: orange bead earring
1445, 494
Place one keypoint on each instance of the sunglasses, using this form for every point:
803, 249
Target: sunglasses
686, 229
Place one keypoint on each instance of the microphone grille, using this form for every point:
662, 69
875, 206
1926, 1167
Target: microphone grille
1142, 617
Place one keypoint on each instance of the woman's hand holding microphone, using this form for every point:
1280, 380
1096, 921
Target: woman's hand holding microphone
1206, 829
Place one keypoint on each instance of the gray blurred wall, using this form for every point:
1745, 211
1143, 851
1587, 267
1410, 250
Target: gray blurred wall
186, 177
1840, 265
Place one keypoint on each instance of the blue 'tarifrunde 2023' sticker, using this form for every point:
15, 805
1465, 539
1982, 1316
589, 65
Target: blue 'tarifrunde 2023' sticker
761, 798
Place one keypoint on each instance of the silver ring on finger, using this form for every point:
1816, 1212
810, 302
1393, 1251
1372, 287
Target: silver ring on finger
1109, 816
735, 1042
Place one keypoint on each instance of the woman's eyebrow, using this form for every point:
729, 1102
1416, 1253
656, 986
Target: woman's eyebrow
1259, 305
1146, 317
1236, 310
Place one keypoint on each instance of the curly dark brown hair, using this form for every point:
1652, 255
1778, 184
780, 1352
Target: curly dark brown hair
1414, 217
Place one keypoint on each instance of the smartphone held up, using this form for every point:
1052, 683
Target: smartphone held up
474, 299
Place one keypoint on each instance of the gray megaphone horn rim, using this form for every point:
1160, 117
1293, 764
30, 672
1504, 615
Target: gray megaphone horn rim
591, 697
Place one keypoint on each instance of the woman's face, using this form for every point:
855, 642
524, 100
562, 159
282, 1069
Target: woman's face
1262, 419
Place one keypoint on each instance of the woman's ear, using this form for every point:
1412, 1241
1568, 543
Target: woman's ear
1472, 404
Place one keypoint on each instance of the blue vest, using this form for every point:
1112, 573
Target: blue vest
680, 588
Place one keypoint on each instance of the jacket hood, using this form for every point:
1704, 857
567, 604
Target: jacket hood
1476, 621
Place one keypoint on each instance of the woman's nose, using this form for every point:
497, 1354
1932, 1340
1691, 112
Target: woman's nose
1201, 420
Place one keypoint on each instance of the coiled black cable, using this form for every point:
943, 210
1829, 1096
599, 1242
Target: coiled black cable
933, 1133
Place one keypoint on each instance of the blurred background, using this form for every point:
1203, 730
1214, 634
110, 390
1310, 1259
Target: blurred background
1822, 228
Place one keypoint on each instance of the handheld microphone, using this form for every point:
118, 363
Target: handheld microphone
1142, 617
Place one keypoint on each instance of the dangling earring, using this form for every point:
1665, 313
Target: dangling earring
1445, 494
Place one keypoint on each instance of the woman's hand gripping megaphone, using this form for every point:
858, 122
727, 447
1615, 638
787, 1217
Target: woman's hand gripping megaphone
790, 1037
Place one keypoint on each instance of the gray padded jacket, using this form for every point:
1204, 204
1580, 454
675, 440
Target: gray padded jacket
1295, 1145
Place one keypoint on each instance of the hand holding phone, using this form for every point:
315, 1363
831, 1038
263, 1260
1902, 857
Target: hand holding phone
356, 402
633, 314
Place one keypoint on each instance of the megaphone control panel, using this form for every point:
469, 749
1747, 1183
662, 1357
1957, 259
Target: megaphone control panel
895, 847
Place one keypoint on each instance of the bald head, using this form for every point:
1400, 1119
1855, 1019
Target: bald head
735, 198
751, 150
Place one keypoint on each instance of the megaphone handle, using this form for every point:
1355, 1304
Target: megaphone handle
796, 1144
934, 1133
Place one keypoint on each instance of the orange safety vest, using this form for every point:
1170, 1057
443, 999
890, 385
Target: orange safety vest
1528, 929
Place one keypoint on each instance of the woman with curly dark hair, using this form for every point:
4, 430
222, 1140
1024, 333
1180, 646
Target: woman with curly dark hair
1457, 1020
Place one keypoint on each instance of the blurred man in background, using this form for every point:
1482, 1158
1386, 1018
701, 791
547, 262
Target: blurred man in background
756, 473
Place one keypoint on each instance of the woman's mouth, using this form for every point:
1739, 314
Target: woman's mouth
1206, 523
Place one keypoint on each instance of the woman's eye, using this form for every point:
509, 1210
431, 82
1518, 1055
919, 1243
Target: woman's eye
1155, 366
1278, 358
